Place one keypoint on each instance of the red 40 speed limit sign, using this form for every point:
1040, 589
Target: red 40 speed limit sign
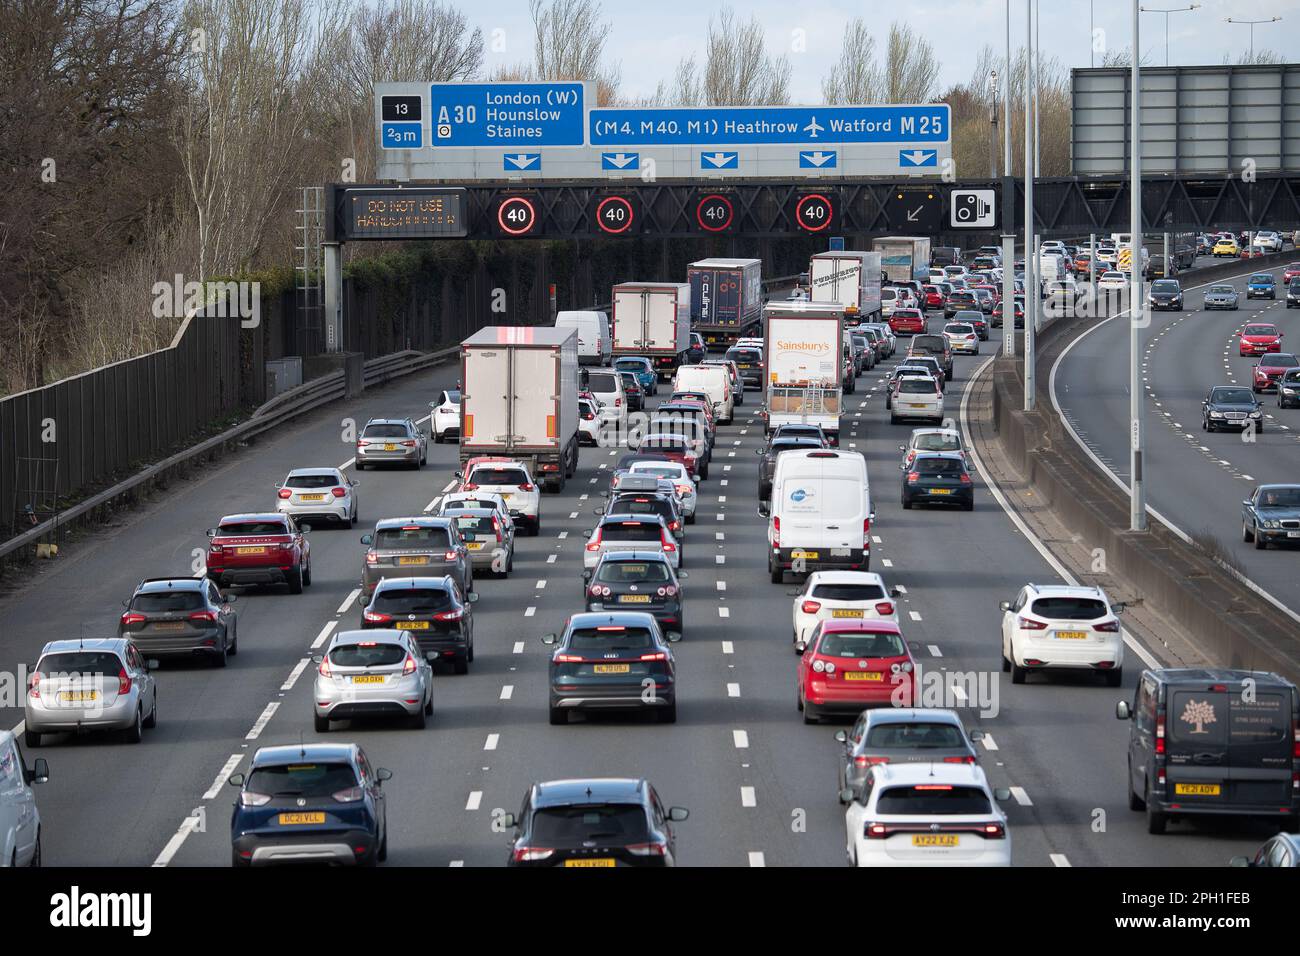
617, 216
814, 212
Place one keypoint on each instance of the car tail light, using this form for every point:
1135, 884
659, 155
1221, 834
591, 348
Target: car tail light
1160, 736
647, 849
284, 493
209, 616
594, 543
123, 682
993, 831
674, 526
965, 478
408, 665
810, 607
682, 490
530, 854
131, 617
449, 556
325, 670
821, 666
409, 443
34, 686
375, 617
496, 528
350, 795
469, 486
1110, 627
1027, 624
527, 486
776, 531
656, 656
455, 614
667, 543
214, 549
864, 761
569, 659
339, 492
599, 590
904, 668
875, 831
913, 475
372, 558
248, 798
885, 608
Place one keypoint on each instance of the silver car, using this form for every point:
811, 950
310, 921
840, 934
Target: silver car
392, 441
1221, 297
87, 685
318, 492
491, 541
372, 673
415, 547
626, 532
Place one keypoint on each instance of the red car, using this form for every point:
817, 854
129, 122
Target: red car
261, 548
1292, 272
847, 665
996, 291
934, 299
907, 322
1270, 370
1259, 338
677, 448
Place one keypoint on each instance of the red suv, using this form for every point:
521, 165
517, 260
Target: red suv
845, 666
262, 548
907, 322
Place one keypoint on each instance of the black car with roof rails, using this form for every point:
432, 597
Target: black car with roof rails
642, 502
593, 822
1213, 742
434, 609
638, 580
1230, 406
750, 362
181, 617
775, 447
938, 476
612, 660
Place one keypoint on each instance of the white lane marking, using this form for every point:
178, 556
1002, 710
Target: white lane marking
460, 863
222, 776
262, 721
324, 633
295, 674
492, 741
726, 468
723, 482
432, 505
348, 464
989, 742
875, 539
530, 611
733, 690
740, 738
187, 827
722, 499
958, 693
756, 858
915, 615
507, 691
347, 601
719, 559
1022, 798
728, 647
1058, 859
901, 589
550, 558
582, 497
721, 516
562, 535
518, 648
724, 612
1248, 477
934, 650
541, 584
722, 585
719, 536
747, 797
886, 562
573, 514
475, 798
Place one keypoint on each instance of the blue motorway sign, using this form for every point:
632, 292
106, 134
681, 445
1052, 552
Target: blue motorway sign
620, 160
817, 159
510, 115
767, 125
402, 135
720, 159
514, 161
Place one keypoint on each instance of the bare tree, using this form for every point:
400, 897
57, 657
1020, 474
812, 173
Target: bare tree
738, 70
856, 77
569, 44
911, 70
1265, 57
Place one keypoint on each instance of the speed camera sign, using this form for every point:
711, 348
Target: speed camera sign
973, 209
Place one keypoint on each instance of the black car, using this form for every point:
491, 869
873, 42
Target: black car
1293, 294
642, 502
696, 350
181, 617
938, 476
633, 390
863, 353
593, 822
974, 318
619, 660
1166, 294
1230, 406
769, 453
434, 609
936, 345
1288, 388
638, 580
1199, 746
750, 362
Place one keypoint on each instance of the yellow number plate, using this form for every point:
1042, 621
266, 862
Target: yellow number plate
412, 625
940, 491
611, 669
474, 545
1072, 635
634, 598
935, 839
258, 550
845, 612
368, 679
915, 405
1197, 789
77, 696
169, 626
292, 819
805, 554
864, 675
588, 862
390, 447
417, 559
312, 497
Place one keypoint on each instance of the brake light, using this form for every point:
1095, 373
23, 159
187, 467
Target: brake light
469, 486
656, 656
875, 831
966, 759
324, 670
674, 525
1026, 624
1110, 627
338, 492
496, 528
530, 854
362, 443
372, 558
885, 607
123, 682
913, 475
131, 617
408, 665
34, 685
526, 486
668, 546
1160, 735
1295, 735
965, 478
284, 493
569, 658
993, 831
682, 489
864, 761
776, 531
933, 786
210, 616
455, 614
599, 590
810, 607
594, 543
375, 617
647, 849
409, 443
350, 795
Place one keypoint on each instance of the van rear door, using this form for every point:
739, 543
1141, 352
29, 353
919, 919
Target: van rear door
821, 506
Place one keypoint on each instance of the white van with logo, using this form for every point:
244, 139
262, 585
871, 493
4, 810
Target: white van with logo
820, 513
20, 820
714, 381
595, 344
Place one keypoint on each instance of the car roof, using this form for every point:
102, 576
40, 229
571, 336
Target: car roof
477, 512
386, 634
865, 626
1279, 486
908, 715
388, 421
255, 516
558, 793
407, 584
616, 518
623, 618
1215, 675
115, 645
296, 753
313, 471
424, 521
846, 577
1067, 590
152, 585
910, 774
931, 453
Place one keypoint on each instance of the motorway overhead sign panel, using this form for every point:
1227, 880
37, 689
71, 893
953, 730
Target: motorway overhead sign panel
973, 209
919, 209
552, 131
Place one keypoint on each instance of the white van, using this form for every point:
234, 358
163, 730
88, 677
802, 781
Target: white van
712, 380
606, 384
595, 344
820, 513
20, 821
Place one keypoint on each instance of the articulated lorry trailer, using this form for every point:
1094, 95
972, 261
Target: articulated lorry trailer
726, 299
802, 364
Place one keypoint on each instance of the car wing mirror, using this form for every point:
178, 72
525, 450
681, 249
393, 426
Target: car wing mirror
229, 598
846, 795
1122, 710
673, 636
367, 539
678, 814
235, 780
509, 821
383, 773
550, 638
800, 647
1005, 605
40, 770
1002, 794
841, 736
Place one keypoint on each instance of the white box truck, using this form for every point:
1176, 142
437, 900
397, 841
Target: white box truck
850, 279
726, 299
519, 399
904, 257
653, 319
802, 364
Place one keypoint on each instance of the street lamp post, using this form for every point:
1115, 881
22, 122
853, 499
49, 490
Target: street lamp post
1251, 24
1008, 206
1031, 254
1166, 11
993, 125
1137, 399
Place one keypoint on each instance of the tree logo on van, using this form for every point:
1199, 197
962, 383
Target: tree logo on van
1199, 713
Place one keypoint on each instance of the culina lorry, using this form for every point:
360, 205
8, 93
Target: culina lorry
802, 364
903, 257
850, 279
653, 319
726, 299
519, 399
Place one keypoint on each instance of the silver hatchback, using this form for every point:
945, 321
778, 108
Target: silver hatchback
372, 673
392, 440
88, 685
490, 540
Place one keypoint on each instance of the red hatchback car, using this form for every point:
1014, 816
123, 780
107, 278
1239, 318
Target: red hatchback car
934, 298
1292, 272
1270, 370
1259, 338
907, 322
259, 548
847, 665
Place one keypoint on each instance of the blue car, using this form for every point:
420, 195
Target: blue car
643, 369
321, 803
1261, 286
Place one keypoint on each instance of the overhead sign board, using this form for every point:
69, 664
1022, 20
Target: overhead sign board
411, 212
553, 131
973, 209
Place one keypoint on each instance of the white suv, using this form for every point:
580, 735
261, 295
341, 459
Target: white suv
838, 595
1057, 626
511, 480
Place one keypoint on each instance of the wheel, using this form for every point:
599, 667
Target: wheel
968, 505
907, 503
1260, 543
460, 665
382, 855
234, 643
359, 465
1017, 673
1246, 534
1156, 820
152, 720
306, 576
704, 472
535, 528
775, 571
690, 518
893, 419
428, 705
220, 659
322, 724
236, 861
295, 581
1006, 663
1135, 802
668, 715
419, 720
1204, 425
135, 733
558, 716
809, 715
31, 739
1259, 429
1114, 678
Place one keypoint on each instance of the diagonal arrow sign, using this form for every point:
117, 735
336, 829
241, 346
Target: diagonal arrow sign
913, 214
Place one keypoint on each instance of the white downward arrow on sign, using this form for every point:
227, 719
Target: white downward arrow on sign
521, 160
619, 159
817, 158
717, 159
916, 156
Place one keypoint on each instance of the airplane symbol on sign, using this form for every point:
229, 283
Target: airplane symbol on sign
814, 127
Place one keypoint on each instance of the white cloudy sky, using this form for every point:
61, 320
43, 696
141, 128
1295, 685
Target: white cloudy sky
650, 37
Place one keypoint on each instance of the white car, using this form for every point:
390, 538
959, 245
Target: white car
839, 595
931, 439
477, 499
606, 385
915, 397
1113, 280
1055, 626
20, 820
683, 483
590, 420
318, 492
511, 480
926, 814
889, 301
1270, 241
445, 413
962, 337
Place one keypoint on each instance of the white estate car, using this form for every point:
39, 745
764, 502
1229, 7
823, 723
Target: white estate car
1051, 626
511, 480
318, 492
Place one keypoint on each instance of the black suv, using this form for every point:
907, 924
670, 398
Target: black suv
936, 345
181, 617
1213, 742
769, 453
434, 610
639, 501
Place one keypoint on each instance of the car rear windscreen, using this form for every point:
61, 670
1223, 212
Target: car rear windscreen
949, 467
1216, 718
640, 505
80, 662
411, 601
1260, 330
631, 531
915, 736
472, 525
848, 592
379, 654
916, 386
385, 431
575, 826
793, 443
311, 481
611, 639
454, 397
1279, 360
633, 572
937, 799
935, 442
1070, 608
301, 779
837, 644
160, 602
498, 476
247, 528
675, 472
601, 382
417, 538
741, 356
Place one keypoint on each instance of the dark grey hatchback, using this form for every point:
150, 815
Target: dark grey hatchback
181, 617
